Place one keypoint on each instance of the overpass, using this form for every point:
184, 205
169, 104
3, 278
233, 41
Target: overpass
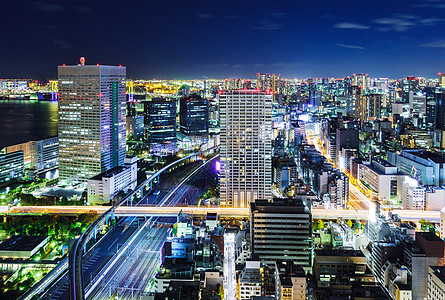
76, 286
145, 211
73, 264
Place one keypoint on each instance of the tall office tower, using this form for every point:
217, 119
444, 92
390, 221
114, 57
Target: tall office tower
281, 228
233, 84
92, 112
276, 84
314, 99
194, 115
373, 106
350, 95
439, 96
441, 79
160, 125
131, 109
409, 84
430, 109
360, 80
246, 146
417, 103
345, 139
360, 106
263, 81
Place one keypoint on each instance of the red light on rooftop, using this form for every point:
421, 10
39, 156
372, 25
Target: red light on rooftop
120, 66
64, 65
97, 64
220, 92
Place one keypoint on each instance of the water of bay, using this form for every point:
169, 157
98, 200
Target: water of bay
26, 120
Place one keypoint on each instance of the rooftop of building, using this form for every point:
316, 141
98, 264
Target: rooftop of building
368, 290
212, 216
413, 249
339, 252
383, 162
403, 287
380, 172
244, 91
428, 155
407, 226
21, 243
285, 281
279, 205
180, 290
289, 268
108, 174
429, 236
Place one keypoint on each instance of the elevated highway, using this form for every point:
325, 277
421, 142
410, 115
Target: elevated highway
149, 211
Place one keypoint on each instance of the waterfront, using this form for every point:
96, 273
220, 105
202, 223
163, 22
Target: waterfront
25, 120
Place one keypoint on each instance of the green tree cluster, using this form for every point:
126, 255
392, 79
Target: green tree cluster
58, 227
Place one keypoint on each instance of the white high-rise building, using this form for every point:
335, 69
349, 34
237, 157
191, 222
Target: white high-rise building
246, 146
92, 123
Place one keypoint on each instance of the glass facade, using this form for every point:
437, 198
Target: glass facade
194, 115
160, 125
12, 165
92, 125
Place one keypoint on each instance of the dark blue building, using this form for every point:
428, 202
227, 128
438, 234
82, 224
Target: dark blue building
194, 115
160, 125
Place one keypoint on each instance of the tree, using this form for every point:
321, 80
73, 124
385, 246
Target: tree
27, 199
84, 196
320, 224
88, 218
64, 200
221, 291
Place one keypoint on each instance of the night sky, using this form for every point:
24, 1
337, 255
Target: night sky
220, 39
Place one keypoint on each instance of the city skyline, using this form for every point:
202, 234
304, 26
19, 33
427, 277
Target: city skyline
294, 38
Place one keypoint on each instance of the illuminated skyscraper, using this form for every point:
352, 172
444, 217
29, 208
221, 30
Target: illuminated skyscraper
409, 84
246, 131
194, 115
360, 80
359, 104
91, 120
373, 105
264, 81
160, 125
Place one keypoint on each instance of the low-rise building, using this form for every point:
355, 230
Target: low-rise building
425, 166
38, 155
290, 281
104, 187
251, 280
173, 269
436, 282
22, 246
329, 265
382, 182
12, 166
